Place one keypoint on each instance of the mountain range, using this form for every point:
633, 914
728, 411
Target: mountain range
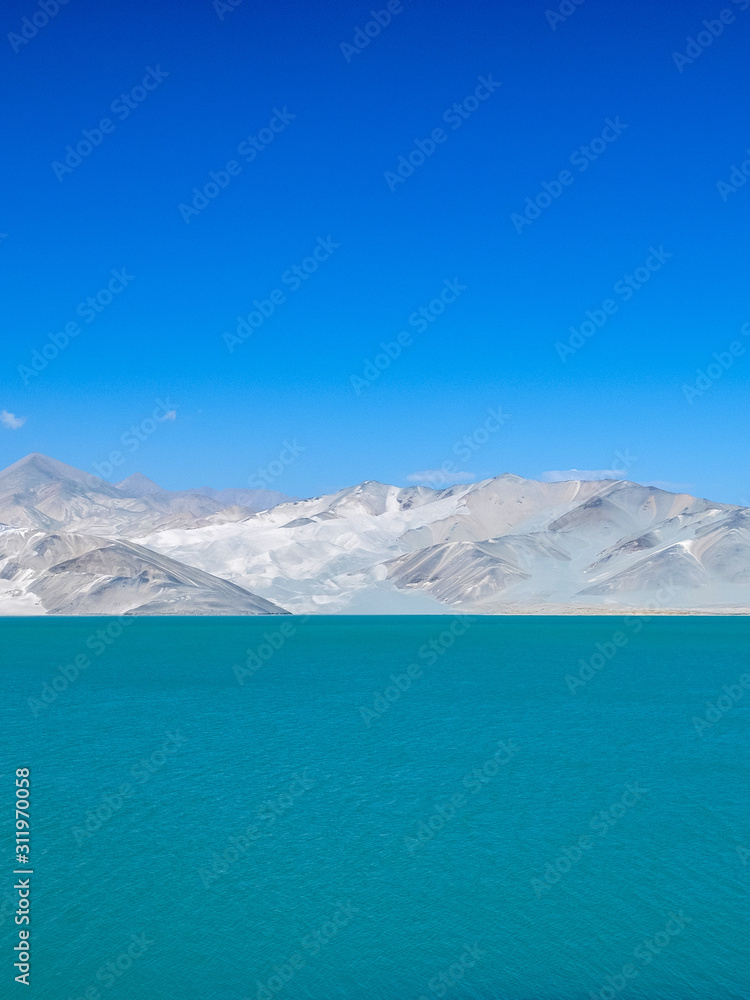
71, 543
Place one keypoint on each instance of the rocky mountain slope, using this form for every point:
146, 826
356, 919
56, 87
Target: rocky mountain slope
40, 492
74, 544
75, 574
483, 547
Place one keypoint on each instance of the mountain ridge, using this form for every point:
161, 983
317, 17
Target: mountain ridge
506, 541
502, 545
41, 492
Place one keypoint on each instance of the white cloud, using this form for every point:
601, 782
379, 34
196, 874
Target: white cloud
583, 474
440, 477
11, 421
670, 487
169, 415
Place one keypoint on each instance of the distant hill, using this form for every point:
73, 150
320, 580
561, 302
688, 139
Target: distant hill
71, 543
41, 492
505, 544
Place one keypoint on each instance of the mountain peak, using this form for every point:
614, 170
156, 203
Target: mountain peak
36, 460
138, 485
37, 470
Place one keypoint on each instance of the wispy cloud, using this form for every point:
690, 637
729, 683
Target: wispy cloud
670, 487
566, 475
11, 421
439, 477
169, 415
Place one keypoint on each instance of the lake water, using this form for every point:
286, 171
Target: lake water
520, 808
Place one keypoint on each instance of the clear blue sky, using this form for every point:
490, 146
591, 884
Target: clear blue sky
215, 76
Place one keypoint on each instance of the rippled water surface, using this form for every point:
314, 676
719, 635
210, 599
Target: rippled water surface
522, 808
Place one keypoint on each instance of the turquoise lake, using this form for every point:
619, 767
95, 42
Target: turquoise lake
380, 807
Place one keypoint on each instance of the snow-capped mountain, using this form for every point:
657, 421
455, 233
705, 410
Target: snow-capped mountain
74, 574
504, 545
41, 492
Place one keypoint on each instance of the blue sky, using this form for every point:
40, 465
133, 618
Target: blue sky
555, 171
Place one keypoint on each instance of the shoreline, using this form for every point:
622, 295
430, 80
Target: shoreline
519, 612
